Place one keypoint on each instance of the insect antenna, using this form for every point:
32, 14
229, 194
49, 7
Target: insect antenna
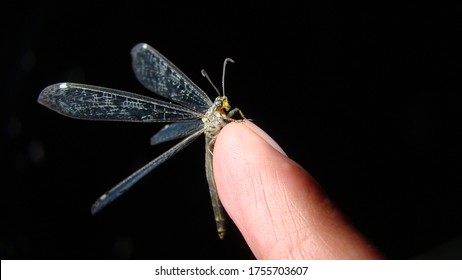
210, 81
223, 77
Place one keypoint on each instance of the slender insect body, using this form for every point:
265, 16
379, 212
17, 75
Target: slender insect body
218, 211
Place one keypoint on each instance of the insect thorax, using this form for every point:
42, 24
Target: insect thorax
216, 117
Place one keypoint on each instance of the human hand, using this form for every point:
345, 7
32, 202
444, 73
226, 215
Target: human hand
279, 208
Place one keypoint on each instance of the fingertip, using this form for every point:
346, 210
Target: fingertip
238, 153
279, 208
260, 132
246, 160
239, 146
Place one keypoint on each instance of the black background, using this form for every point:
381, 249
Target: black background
367, 98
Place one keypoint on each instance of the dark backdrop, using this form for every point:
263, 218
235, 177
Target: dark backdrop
367, 98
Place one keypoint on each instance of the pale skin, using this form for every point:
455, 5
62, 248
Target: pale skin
281, 210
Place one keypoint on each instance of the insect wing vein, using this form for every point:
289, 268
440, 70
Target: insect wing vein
161, 76
174, 131
126, 184
99, 103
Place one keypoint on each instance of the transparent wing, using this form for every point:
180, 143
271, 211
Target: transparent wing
126, 184
176, 130
98, 103
159, 75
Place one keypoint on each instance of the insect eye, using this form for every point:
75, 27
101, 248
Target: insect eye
218, 103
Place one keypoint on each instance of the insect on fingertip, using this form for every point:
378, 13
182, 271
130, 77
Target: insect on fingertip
190, 111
